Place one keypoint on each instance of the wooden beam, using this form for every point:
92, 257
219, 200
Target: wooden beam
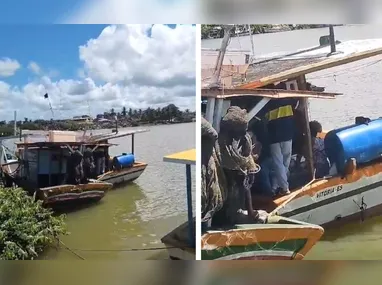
210, 110
270, 93
255, 110
301, 83
310, 68
218, 114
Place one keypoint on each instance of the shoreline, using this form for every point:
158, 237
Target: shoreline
98, 127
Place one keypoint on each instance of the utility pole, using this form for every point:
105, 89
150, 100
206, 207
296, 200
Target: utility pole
332, 39
219, 61
15, 124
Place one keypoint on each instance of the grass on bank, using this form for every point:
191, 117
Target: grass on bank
26, 227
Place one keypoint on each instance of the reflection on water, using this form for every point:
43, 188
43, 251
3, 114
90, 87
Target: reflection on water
137, 215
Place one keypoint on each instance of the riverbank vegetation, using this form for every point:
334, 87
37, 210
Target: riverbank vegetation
26, 228
170, 114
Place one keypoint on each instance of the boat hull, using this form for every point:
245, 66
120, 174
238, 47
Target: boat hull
65, 196
177, 244
337, 201
123, 176
72, 195
282, 239
180, 253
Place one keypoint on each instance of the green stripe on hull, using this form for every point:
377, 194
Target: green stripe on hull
294, 245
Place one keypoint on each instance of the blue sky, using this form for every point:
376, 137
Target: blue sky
36, 11
111, 66
53, 47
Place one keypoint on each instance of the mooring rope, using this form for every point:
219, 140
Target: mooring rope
70, 250
73, 250
126, 250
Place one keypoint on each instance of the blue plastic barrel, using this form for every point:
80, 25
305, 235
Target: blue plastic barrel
125, 160
362, 142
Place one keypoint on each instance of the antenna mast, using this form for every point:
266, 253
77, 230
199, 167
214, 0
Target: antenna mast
46, 96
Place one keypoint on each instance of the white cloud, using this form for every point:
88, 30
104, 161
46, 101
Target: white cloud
34, 67
123, 66
81, 73
133, 11
8, 67
127, 54
4, 89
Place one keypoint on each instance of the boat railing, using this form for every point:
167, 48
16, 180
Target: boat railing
110, 136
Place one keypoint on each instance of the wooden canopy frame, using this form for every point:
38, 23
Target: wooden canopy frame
310, 68
266, 93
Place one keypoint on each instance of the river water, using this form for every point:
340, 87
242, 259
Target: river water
361, 85
138, 215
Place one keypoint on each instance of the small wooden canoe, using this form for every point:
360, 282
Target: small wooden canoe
66, 194
280, 239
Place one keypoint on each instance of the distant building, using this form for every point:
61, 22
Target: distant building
83, 120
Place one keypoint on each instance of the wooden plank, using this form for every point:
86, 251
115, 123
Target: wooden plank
270, 93
325, 64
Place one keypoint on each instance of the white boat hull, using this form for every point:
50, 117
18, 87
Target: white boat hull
124, 175
340, 203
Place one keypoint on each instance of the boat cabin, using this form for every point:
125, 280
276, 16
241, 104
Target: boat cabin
49, 160
253, 86
54, 162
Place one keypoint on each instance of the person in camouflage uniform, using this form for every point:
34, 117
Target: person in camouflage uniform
213, 194
228, 178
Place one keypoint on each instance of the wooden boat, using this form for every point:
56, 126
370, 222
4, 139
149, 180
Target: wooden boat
352, 194
43, 169
116, 175
180, 242
279, 239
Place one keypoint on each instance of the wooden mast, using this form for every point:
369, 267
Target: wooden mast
210, 112
301, 83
